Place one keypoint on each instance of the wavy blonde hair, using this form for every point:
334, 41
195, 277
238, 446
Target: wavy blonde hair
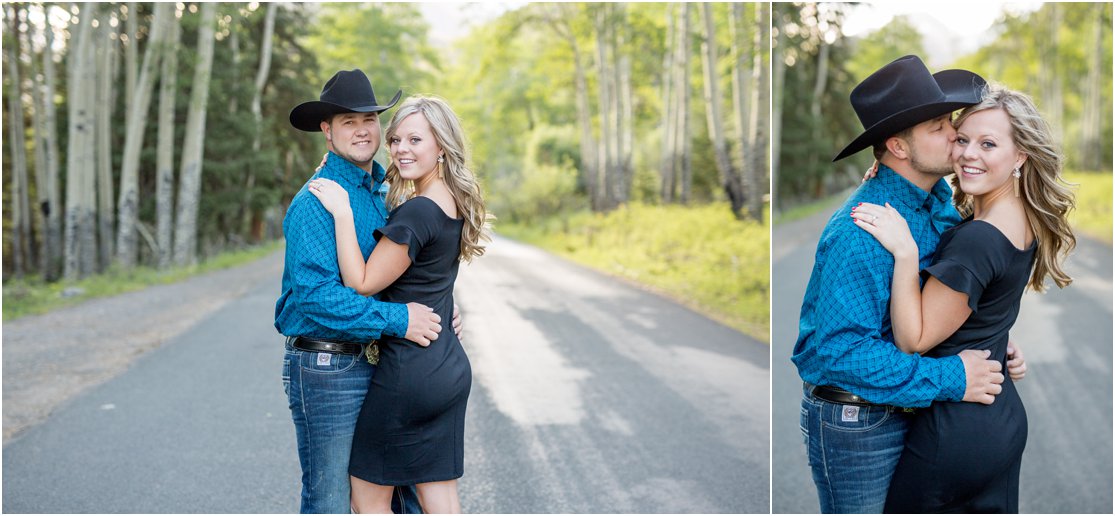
460, 180
1047, 197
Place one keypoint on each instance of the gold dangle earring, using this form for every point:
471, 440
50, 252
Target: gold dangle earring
440, 160
1017, 177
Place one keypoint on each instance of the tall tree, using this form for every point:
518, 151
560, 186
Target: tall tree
79, 153
131, 53
50, 199
729, 178
128, 205
776, 84
164, 161
1091, 142
21, 214
684, 140
189, 177
605, 93
106, 57
248, 213
668, 165
562, 24
760, 114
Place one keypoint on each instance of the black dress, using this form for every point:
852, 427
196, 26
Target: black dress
965, 457
411, 427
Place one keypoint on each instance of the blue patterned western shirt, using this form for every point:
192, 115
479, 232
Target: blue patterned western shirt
845, 337
314, 301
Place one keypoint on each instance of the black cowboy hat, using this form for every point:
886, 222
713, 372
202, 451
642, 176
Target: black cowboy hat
348, 91
903, 94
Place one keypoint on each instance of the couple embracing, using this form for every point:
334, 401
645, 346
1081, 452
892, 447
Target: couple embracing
371, 259
904, 329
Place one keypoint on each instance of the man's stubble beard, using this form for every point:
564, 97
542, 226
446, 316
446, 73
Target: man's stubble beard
940, 170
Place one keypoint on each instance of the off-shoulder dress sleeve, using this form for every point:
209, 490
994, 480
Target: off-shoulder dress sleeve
412, 224
969, 261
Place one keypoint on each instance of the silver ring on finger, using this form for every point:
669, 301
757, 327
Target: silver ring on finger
873, 219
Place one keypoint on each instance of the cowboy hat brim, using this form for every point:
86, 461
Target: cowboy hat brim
898, 122
308, 116
961, 88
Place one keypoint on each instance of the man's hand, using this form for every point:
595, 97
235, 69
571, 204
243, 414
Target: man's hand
984, 377
423, 325
1016, 362
457, 326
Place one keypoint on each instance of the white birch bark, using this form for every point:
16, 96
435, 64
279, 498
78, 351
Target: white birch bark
164, 160
128, 205
78, 154
185, 229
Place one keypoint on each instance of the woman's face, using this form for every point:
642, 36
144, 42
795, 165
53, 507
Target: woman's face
984, 155
413, 148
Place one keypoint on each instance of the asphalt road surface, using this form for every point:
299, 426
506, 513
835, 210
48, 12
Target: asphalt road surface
1067, 338
589, 395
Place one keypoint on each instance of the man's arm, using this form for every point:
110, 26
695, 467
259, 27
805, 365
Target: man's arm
841, 340
321, 297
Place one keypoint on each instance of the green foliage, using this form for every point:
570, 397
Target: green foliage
1093, 212
387, 40
701, 256
894, 40
30, 296
809, 141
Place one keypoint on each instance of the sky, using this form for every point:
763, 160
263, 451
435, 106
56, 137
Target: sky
951, 28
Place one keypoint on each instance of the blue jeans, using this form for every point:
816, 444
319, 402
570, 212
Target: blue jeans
326, 392
853, 451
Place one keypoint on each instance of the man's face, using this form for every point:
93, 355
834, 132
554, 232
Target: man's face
354, 136
930, 146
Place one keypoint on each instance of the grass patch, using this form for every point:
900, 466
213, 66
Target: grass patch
1092, 215
31, 295
699, 255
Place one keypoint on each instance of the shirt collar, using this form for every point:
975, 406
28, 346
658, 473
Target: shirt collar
909, 194
354, 176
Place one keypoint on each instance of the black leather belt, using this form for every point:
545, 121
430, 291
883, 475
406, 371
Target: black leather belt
327, 346
836, 395
843, 397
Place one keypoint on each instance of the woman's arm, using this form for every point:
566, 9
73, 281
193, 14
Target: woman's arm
389, 259
921, 319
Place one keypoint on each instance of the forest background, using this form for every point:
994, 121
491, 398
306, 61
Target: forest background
143, 139
1059, 53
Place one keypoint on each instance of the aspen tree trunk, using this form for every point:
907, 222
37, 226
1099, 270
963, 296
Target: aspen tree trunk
777, 81
760, 113
52, 210
625, 134
79, 152
1053, 99
604, 78
729, 179
247, 212
131, 53
87, 215
164, 161
38, 122
21, 234
741, 97
684, 139
815, 109
590, 172
667, 167
1090, 145
106, 47
189, 186
128, 205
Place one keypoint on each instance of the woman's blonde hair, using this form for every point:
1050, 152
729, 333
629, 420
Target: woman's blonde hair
458, 178
1047, 197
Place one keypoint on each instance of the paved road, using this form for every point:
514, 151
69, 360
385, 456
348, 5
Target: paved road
589, 395
1067, 337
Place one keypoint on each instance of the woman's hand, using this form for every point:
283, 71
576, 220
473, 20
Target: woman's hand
871, 172
325, 158
888, 227
332, 195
